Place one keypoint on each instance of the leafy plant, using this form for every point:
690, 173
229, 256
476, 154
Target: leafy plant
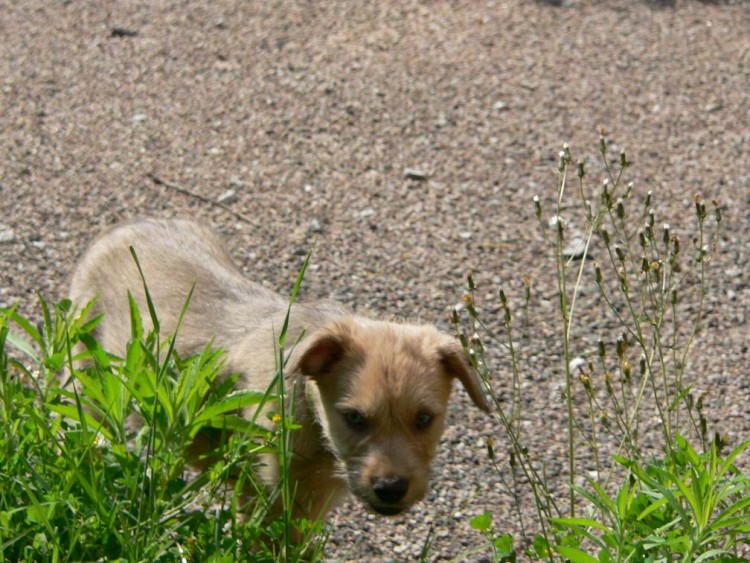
502, 544
99, 468
689, 507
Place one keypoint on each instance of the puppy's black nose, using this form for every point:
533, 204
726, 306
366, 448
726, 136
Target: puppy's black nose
390, 489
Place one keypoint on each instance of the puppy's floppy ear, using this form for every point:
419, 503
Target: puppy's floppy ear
455, 363
324, 349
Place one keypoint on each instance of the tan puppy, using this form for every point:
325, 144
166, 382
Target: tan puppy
371, 396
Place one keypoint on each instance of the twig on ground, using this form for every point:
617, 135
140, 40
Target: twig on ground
172, 186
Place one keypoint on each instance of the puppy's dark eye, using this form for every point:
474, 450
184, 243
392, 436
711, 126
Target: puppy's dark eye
355, 420
423, 420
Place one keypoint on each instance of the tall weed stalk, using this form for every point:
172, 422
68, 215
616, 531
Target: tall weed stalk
644, 274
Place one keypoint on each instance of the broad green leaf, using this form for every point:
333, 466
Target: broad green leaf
711, 555
656, 505
482, 522
575, 555
71, 412
234, 402
504, 546
583, 522
22, 345
236, 424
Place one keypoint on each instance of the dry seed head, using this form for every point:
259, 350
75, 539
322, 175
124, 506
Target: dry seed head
587, 207
620, 209
585, 380
454, 316
666, 235
699, 402
647, 203
566, 153
623, 282
626, 370
700, 207
537, 207
622, 347
721, 440
603, 419
474, 340
526, 287
620, 253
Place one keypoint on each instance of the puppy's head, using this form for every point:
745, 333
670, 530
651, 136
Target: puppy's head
380, 391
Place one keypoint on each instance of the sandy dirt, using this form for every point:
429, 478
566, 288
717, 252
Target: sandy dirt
281, 123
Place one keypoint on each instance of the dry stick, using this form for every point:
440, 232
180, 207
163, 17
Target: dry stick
172, 186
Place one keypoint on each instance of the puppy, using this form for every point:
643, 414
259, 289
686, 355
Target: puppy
371, 396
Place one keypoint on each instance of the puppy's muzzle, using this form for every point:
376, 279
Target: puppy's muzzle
389, 492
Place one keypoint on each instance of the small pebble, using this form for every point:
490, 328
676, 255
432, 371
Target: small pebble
236, 184
7, 236
575, 363
575, 248
123, 32
229, 196
415, 174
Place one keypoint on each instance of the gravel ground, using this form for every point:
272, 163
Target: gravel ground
284, 122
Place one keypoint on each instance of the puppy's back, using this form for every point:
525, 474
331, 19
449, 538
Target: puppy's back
174, 254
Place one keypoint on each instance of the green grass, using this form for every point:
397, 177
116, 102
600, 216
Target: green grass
98, 469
